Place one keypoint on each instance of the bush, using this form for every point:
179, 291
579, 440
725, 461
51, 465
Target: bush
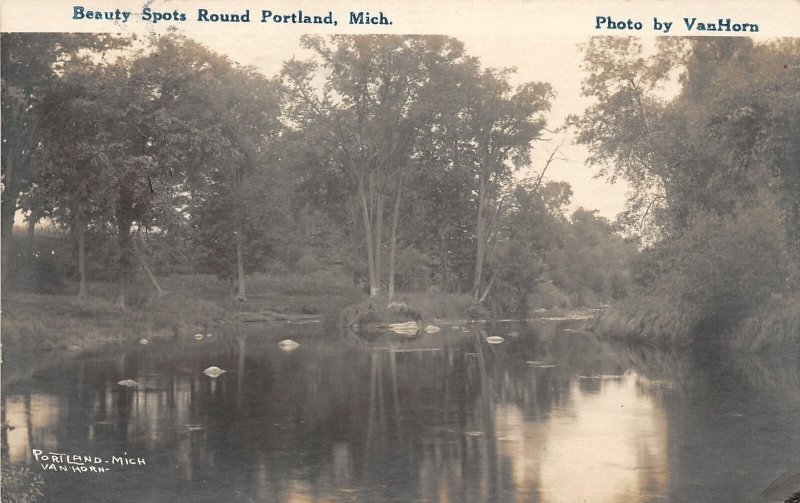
709, 279
327, 281
547, 296
413, 270
443, 306
20, 484
423, 307
38, 274
379, 312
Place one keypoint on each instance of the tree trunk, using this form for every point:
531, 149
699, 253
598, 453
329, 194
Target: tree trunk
354, 238
241, 296
488, 287
125, 260
80, 229
31, 234
393, 238
373, 286
479, 238
378, 238
140, 253
8, 208
150, 275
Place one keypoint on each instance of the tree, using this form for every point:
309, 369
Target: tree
503, 126
713, 166
137, 132
32, 64
237, 192
376, 100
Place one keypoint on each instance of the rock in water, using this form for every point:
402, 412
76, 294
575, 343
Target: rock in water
407, 328
494, 340
288, 345
213, 371
128, 383
198, 337
431, 329
143, 342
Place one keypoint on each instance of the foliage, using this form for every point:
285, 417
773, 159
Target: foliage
377, 312
20, 484
714, 172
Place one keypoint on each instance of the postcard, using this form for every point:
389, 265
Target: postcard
368, 251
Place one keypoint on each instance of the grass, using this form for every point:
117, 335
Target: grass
192, 303
648, 320
773, 326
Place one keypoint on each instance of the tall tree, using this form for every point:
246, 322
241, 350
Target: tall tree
236, 195
503, 125
136, 129
32, 64
370, 111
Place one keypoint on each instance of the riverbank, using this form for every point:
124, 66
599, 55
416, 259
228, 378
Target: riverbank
190, 304
651, 321
36, 322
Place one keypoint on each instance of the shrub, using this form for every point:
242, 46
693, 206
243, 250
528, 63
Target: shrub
547, 296
377, 312
20, 484
705, 282
38, 274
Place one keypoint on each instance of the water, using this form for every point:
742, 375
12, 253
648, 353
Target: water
550, 415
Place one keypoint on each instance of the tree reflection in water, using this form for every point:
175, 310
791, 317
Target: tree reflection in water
443, 417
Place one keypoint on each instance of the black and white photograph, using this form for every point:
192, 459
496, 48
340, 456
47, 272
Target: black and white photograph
510, 251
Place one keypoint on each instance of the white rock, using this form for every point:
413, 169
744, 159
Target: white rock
128, 383
288, 345
198, 337
213, 371
494, 340
209, 335
143, 341
431, 329
407, 328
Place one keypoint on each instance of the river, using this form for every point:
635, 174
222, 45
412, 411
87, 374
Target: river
552, 414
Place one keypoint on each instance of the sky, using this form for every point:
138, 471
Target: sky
555, 60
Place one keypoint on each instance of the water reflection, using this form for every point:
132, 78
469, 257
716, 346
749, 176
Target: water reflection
608, 443
550, 415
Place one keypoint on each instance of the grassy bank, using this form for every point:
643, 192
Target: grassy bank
772, 326
648, 320
775, 327
191, 303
